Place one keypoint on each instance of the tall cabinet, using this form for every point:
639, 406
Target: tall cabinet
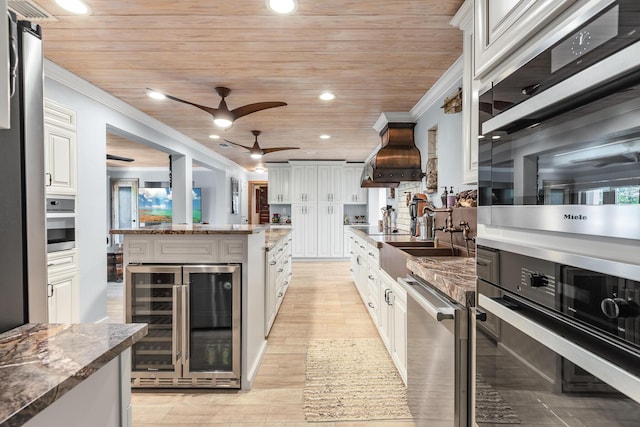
60, 182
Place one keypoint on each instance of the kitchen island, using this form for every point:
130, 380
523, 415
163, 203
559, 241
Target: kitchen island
205, 351
49, 371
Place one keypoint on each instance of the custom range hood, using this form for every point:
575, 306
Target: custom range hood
398, 158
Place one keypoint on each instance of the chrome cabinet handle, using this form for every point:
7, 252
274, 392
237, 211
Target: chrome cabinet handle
272, 263
370, 304
370, 277
48, 175
50, 287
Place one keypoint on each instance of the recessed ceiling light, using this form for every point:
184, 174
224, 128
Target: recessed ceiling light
312, 152
156, 95
325, 136
214, 136
74, 6
282, 7
327, 96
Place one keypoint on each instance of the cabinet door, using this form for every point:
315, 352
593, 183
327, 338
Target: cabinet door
330, 183
274, 185
330, 231
352, 193
304, 183
285, 184
305, 230
271, 299
386, 312
399, 332
61, 298
60, 160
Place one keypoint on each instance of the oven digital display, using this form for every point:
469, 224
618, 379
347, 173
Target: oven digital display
585, 40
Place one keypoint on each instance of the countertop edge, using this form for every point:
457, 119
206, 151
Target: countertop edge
460, 288
46, 399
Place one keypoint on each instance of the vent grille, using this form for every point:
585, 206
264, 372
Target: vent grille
27, 9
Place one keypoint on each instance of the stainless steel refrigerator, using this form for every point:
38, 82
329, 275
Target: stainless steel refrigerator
23, 257
193, 313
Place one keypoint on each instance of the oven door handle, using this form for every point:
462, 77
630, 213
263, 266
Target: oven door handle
615, 376
440, 313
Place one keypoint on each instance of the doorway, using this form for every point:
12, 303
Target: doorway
258, 195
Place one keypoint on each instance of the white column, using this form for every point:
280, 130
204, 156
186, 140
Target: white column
182, 178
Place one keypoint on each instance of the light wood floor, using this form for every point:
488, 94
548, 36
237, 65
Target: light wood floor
321, 303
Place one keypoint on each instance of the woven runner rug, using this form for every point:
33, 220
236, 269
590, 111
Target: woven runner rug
352, 379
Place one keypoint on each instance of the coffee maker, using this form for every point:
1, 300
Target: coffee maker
416, 206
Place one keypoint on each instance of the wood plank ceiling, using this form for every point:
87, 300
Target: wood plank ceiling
375, 56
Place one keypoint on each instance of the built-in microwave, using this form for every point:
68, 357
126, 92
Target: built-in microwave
559, 148
61, 224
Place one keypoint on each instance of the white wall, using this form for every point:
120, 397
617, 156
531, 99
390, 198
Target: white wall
96, 112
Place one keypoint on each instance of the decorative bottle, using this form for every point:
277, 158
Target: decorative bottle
451, 199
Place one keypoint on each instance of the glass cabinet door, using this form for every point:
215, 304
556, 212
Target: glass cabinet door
152, 298
212, 320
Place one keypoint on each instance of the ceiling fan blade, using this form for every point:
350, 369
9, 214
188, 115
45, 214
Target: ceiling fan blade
119, 158
209, 110
239, 145
252, 108
617, 159
271, 150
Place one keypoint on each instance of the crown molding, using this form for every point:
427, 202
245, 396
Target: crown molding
439, 90
392, 117
67, 78
463, 18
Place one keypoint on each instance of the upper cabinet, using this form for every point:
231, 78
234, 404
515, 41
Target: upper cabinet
279, 184
502, 26
60, 149
330, 182
304, 182
352, 193
5, 120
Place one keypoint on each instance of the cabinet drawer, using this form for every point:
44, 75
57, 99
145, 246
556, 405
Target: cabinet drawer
62, 261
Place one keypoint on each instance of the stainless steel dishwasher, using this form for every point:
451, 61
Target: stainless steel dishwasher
437, 357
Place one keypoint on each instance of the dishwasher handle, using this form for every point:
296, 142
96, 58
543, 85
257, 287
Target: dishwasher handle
440, 312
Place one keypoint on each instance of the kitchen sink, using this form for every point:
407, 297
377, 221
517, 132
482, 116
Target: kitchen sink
431, 251
412, 244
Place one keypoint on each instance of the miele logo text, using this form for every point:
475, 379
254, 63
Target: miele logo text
575, 217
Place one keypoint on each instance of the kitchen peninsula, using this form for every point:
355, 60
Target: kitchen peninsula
202, 289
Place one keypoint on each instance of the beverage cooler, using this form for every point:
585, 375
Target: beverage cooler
193, 313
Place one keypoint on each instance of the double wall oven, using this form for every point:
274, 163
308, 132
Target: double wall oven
557, 332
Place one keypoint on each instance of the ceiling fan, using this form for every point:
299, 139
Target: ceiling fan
616, 159
222, 116
255, 151
119, 158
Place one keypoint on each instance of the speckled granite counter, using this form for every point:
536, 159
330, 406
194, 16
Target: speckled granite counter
273, 235
39, 363
193, 229
454, 276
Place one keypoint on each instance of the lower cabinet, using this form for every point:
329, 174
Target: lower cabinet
384, 298
330, 231
62, 287
305, 230
278, 277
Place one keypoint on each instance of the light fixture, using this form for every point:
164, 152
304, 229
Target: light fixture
495, 137
325, 136
259, 169
77, 7
327, 96
214, 136
282, 7
223, 120
156, 95
256, 155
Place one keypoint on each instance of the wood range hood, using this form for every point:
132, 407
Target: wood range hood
397, 160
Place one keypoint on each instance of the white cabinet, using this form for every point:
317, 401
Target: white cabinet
352, 193
503, 26
62, 286
330, 231
60, 149
279, 184
330, 183
304, 182
278, 276
5, 98
305, 230
393, 321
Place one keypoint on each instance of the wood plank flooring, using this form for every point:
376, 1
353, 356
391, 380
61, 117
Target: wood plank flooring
321, 303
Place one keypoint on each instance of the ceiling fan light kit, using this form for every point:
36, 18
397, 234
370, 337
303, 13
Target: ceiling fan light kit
255, 151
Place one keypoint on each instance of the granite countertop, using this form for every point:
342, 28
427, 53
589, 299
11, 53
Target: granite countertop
39, 363
273, 235
193, 229
453, 276
376, 237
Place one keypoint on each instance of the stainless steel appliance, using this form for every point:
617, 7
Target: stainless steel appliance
23, 260
61, 224
557, 339
193, 312
437, 357
560, 143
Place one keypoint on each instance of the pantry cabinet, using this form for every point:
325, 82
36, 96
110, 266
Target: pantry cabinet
353, 194
330, 230
304, 216
279, 184
60, 150
304, 182
330, 182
